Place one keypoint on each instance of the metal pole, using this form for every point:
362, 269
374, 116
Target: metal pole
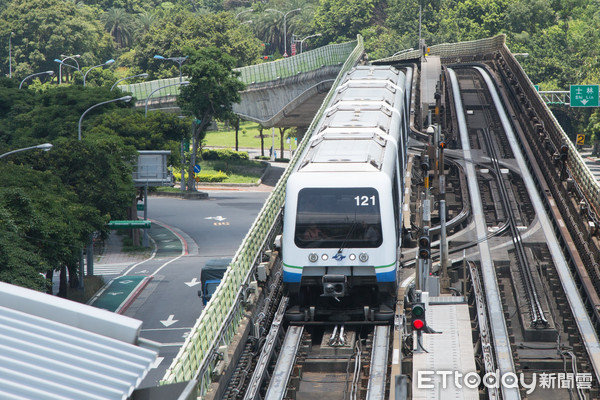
81, 273
145, 237
285, 54
124, 98
273, 144
144, 75
445, 280
90, 256
10, 54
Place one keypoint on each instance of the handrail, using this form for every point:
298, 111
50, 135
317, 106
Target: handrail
333, 54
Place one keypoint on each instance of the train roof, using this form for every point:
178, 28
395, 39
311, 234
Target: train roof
362, 119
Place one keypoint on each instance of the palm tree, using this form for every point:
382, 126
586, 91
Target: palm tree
145, 20
119, 24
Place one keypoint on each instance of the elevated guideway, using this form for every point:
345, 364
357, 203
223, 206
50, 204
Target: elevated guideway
207, 353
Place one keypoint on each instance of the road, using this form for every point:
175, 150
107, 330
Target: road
169, 304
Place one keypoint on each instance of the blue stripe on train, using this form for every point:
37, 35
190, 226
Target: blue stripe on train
386, 276
291, 277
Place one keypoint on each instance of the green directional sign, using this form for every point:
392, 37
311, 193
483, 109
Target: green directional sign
584, 96
136, 224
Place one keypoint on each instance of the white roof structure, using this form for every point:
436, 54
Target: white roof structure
52, 348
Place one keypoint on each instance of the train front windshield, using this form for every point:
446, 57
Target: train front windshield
338, 218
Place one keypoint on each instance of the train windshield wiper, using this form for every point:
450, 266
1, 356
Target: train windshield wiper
350, 231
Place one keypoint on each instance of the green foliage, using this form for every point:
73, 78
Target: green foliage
172, 34
342, 20
45, 29
224, 155
218, 176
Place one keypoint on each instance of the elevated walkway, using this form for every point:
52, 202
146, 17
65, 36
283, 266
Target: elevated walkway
282, 93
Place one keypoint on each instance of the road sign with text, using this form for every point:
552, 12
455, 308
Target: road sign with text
584, 96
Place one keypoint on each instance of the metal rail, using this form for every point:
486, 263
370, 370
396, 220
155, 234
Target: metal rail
285, 363
379, 364
267, 353
499, 330
536, 312
484, 330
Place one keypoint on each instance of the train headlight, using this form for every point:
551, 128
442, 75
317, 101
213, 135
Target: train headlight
324, 257
352, 257
313, 257
364, 257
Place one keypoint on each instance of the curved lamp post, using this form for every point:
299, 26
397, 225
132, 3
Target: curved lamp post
32, 75
96, 66
124, 98
178, 60
144, 75
10, 54
243, 12
162, 87
284, 26
45, 147
308, 37
62, 62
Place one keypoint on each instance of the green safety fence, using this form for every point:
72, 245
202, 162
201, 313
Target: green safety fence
333, 54
221, 318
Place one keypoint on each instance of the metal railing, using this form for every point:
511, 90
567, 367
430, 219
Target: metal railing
220, 319
333, 54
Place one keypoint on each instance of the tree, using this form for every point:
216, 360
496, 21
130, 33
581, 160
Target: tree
120, 25
342, 20
45, 29
214, 88
173, 33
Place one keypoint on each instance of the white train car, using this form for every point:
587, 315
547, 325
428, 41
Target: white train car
341, 229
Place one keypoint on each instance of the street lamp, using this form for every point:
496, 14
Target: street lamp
124, 98
243, 12
178, 60
162, 87
45, 147
308, 37
96, 66
62, 61
144, 75
284, 26
32, 75
10, 54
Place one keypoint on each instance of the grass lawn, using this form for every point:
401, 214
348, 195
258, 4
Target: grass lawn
248, 137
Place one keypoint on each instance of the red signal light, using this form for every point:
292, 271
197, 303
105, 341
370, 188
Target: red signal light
418, 324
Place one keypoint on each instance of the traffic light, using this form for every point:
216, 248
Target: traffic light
564, 152
424, 247
442, 144
418, 317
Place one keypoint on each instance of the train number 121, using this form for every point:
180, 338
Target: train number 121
364, 201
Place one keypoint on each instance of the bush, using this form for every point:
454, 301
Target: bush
218, 176
223, 155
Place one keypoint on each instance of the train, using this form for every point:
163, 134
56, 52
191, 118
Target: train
343, 202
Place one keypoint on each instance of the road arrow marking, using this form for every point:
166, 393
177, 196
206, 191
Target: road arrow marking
157, 362
169, 321
115, 293
126, 282
192, 283
217, 218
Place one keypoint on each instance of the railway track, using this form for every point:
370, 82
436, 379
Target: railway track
524, 260
532, 318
